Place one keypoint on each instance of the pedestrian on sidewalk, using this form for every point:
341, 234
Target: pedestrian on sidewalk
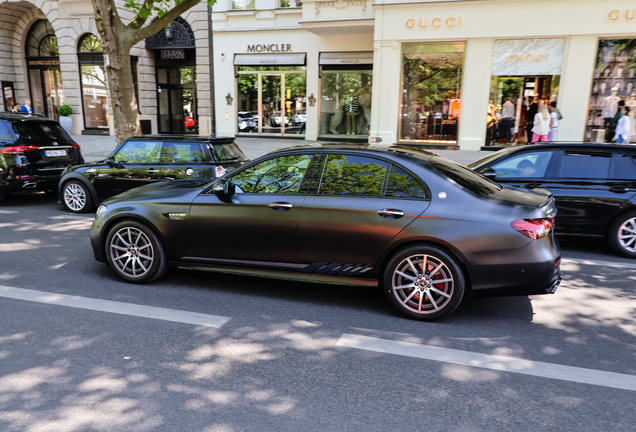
533, 107
541, 124
507, 119
611, 130
26, 108
555, 117
623, 126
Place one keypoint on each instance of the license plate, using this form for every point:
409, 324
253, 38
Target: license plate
53, 153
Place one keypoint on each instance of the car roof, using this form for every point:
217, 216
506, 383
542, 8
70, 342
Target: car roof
11, 116
405, 150
186, 138
570, 145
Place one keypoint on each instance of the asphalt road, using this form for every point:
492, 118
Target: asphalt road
267, 355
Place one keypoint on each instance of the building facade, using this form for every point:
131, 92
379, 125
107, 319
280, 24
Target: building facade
50, 53
427, 72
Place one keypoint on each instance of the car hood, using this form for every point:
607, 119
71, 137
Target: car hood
160, 191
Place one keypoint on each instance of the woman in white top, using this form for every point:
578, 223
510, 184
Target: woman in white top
623, 126
541, 123
554, 121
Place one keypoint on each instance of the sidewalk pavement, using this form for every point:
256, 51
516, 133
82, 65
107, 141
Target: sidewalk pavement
95, 148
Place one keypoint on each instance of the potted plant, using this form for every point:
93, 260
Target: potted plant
66, 121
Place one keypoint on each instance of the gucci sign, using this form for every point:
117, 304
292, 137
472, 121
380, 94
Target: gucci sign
527, 57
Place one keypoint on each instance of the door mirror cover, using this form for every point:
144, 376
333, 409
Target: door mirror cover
224, 188
489, 173
111, 163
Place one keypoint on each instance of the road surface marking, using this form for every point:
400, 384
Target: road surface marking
130, 309
493, 362
72, 217
613, 264
8, 211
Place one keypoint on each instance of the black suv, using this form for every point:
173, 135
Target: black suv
34, 151
594, 186
152, 158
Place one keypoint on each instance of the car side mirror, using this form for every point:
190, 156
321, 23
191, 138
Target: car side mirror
224, 188
489, 173
111, 163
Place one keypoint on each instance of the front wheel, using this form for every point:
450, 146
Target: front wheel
135, 253
622, 235
424, 282
76, 197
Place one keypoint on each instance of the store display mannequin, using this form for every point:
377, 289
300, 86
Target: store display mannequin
351, 108
364, 97
631, 103
609, 107
335, 121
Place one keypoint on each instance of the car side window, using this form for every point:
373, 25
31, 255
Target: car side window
585, 165
624, 167
353, 175
530, 164
403, 185
183, 152
277, 175
139, 152
6, 132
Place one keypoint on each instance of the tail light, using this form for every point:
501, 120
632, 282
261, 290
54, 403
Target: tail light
17, 149
76, 146
534, 228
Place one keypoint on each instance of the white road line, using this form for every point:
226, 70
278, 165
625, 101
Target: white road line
130, 309
486, 361
612, 264
71, 217
8, 211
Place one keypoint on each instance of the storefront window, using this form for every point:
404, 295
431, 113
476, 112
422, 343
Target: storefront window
243, 4
94, 90
291, 3
431, 91
345, 102
614, 80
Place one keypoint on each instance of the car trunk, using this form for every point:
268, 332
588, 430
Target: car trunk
49, 149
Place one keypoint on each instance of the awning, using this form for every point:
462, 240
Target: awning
346, 58
270, 59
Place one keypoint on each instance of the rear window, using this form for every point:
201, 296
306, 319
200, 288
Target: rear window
585, 165
183, 152
6, 133
624, 167
35, 132
465, 177
227, 152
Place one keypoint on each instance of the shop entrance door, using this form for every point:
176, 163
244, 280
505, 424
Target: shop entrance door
46, 91
177, 105
272, 103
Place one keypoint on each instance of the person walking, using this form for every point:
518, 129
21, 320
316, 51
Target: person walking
26, 108
611, 130
555, 117
507, 119
532, 112
623, 126
541, 124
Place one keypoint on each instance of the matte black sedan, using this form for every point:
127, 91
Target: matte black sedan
594, 186
149, 159
34, 151
424, 228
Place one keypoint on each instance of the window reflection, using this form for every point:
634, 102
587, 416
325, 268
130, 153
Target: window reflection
353, 175
278, 175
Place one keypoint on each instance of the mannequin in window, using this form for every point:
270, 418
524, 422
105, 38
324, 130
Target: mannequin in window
351, 109
631, 103
609, 107
364, 98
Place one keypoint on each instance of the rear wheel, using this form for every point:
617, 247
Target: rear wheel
622, 235
135, 253
424, 282
76, 197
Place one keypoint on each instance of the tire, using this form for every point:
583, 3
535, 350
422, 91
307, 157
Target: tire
135, 253
622, 235
76, 197
413, 293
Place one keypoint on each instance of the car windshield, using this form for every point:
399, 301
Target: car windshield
35, 132
227, 152
465, 177
486, 160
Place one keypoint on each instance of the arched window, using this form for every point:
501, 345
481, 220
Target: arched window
94, 89
41, 40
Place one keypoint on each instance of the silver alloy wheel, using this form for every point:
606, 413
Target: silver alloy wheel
74, 197
423, 284
627, 235
131, 252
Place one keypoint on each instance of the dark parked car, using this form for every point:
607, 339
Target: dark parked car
594, 186
34, 151
149, 159
421, 226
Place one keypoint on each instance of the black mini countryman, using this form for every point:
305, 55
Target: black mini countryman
149, 159
422, 227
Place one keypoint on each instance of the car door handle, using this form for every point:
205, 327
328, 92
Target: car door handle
282, 206
618, 189
152, 171
391, 213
